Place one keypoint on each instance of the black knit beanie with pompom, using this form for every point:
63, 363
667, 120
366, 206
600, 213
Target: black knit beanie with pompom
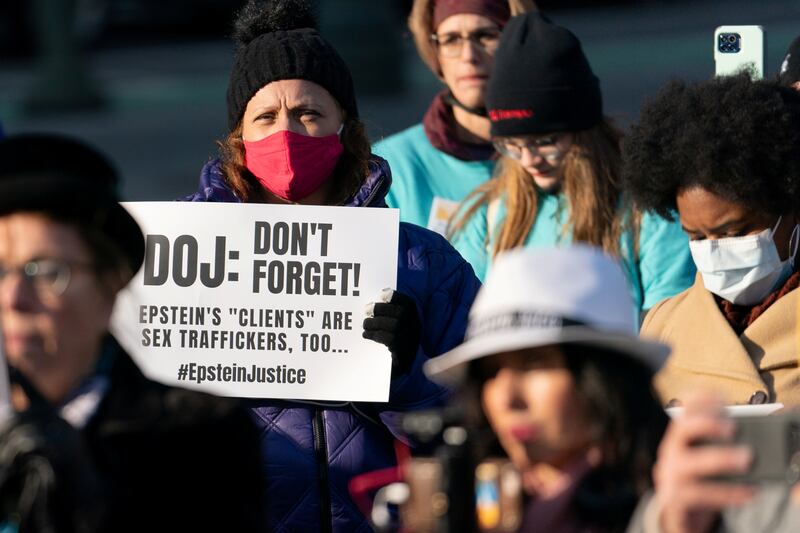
278, 40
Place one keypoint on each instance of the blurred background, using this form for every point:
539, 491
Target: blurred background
145, 80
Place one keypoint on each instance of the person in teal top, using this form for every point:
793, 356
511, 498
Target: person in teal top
437, 163
557, 180
427, 183
654, 258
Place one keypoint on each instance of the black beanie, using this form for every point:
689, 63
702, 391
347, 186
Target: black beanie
541, 81
278, 40
790, 68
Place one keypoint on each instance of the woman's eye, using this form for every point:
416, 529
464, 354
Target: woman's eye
308, 115
449, 39
265, 116
487, 37
545, 141
735, 232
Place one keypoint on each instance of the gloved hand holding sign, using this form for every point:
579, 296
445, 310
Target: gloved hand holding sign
394, 322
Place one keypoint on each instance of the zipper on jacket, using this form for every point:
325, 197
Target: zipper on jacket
321, 450
380, 188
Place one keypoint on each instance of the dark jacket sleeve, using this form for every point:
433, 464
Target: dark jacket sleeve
444, 286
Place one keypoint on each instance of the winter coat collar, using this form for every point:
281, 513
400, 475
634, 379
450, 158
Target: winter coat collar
214, 188
708, 353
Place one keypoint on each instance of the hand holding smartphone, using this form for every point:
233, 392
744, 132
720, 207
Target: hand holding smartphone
739, 48
774, 441
686, 473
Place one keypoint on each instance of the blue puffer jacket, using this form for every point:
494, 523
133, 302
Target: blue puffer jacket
312, 450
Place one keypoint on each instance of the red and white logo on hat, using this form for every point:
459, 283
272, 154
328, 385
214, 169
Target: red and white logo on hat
496, 115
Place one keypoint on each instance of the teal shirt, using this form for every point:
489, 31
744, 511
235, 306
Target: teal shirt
422, 173
662, 268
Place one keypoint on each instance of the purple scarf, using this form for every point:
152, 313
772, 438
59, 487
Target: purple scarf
440, 129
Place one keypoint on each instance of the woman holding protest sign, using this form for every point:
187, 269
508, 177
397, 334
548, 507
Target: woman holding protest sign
435, 164
726, 155
295, 137
558, 178
565, 385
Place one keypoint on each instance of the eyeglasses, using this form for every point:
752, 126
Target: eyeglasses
543, 146
451, 44
48, 277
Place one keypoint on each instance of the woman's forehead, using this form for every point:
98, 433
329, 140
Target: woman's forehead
551, 354
464, 22
29, 235
292, 93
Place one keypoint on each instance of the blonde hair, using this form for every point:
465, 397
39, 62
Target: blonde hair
420, 22
590, 171
348, 176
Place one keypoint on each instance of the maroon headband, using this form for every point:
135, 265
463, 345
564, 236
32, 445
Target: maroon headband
495, 10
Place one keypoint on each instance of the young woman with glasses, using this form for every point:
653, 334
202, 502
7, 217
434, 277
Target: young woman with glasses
435, 164
557, 180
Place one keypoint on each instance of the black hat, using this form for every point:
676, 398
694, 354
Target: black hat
278, 40
64, 177
790, 68
541, 81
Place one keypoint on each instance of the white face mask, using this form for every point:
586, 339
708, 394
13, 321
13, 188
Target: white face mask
743, 270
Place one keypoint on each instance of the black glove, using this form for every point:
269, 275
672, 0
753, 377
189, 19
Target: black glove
396, 325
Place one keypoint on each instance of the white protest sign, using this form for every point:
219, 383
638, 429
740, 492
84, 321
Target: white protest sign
260, 301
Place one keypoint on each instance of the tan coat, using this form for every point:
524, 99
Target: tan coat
759, 366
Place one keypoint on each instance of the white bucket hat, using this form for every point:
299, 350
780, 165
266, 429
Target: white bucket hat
550, 296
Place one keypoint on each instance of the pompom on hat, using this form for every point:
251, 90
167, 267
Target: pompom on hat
279, 40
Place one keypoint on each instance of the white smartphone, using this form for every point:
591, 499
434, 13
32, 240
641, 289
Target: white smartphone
739, 48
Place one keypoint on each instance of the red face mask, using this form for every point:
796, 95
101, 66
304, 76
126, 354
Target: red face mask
290, 165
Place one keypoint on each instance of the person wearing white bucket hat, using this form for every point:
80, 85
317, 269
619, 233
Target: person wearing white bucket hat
565, 384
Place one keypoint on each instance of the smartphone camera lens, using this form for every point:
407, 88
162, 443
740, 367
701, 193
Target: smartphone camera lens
729, 43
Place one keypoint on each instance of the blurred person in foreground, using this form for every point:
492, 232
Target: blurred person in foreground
558, 180
164, 458
436, 163
296, 139
725, 154
686, 500
552, 354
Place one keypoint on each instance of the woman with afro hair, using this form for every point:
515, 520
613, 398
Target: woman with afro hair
725, 154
